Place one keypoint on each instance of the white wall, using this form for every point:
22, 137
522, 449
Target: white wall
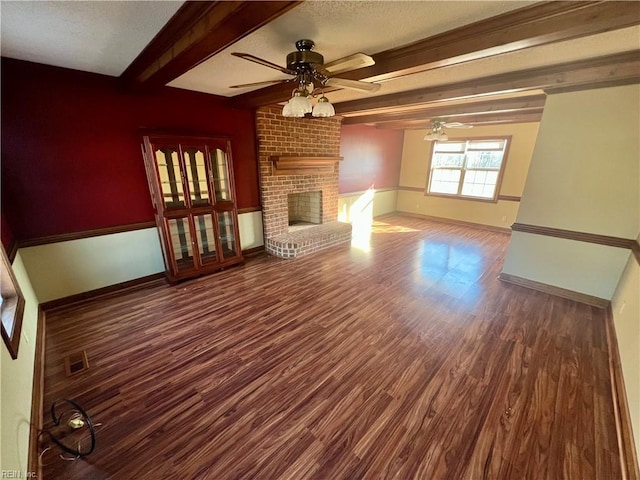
583, 177
17, 381
58, 270
626, 315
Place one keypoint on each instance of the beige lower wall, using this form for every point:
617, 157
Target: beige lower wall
61, 269
500, 214
626, 315
578, 266
380, 202
250, 226
17, 381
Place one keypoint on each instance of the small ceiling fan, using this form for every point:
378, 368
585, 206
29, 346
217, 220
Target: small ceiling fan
308, 68
437, 126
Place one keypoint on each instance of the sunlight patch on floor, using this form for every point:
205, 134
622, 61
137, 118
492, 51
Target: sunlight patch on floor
381, 227
446, 268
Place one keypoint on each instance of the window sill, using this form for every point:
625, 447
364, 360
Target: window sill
459, 197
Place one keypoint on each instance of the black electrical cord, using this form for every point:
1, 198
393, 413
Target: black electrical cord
56, 422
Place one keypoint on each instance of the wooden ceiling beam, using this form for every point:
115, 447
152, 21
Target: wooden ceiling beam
452, 111
618, 69
535, 115
536, 25
197, 31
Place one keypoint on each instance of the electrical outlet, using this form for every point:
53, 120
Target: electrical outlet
504, 218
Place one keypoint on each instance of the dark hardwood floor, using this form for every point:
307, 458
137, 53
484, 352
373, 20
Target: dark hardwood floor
409, 361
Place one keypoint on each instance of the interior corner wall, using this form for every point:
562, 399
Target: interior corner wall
584, 178
413, 176
16, 382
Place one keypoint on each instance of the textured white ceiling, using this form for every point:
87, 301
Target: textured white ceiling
338, 28
94, 36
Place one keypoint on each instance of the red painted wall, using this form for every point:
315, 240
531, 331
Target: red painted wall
372, 157
71, 157
6, 234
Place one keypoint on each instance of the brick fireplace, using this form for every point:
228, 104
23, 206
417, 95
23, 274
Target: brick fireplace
299, 155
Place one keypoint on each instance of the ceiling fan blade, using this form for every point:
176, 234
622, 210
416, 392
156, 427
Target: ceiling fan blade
353, 84
351, 62
456, 125
262, 61
258, 84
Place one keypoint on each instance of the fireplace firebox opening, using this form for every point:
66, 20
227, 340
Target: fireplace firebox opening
305, 209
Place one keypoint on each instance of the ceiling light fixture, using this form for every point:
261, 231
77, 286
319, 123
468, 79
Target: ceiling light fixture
437, 132
312, 75
300, 103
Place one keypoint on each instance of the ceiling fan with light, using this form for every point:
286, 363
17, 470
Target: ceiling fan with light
437, 129
310, 75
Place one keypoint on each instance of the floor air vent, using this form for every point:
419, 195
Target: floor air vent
76, 363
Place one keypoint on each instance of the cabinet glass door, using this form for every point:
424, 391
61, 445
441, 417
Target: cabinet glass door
180, 233
197, 182
220, 174
226, 227
167, 160
206, 238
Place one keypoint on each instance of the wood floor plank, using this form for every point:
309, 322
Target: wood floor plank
409, 360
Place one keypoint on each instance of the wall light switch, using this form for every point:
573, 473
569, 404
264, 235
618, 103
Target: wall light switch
621, 309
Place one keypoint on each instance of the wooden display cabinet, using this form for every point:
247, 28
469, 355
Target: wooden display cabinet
193, 195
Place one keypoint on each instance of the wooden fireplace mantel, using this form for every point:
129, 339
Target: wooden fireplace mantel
289, 165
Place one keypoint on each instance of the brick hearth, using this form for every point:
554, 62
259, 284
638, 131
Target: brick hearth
297, 137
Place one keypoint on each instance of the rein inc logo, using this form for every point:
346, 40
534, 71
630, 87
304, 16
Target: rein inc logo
17, 474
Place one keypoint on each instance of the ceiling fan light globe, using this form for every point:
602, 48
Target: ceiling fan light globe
287, 111
443, 137
431, 136
323, 108
300, 105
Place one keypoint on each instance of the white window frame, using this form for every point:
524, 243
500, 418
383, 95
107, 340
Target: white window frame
12, 306
463, 169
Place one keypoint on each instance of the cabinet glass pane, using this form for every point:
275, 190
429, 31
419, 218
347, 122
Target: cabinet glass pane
196, 176
220, 174
206, 238
181, 241
168, 163
227, 234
